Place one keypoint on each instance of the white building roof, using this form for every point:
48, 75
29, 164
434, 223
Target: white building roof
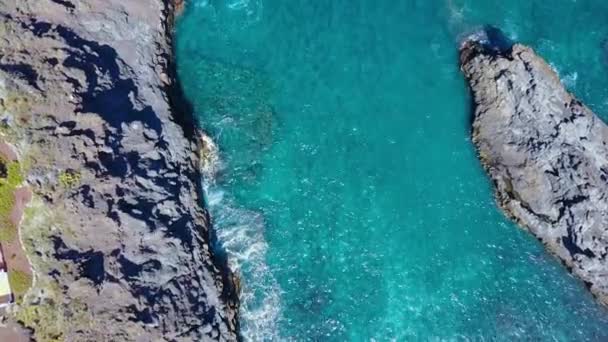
5, 288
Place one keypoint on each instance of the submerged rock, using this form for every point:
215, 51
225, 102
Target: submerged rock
546, 153
116, 234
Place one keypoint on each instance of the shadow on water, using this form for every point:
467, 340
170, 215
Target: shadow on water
232, 103
496, 40
183, 114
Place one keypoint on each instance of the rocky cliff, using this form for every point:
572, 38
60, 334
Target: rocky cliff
115, 233
546, 153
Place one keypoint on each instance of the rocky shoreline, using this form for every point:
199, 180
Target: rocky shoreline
116, 234
545, 151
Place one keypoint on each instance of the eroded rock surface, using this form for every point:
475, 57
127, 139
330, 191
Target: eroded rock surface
116, 234
546, 154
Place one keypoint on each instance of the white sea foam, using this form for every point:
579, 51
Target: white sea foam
570, 80
251, 10
456, 14
241, 233
201, 3
210, 159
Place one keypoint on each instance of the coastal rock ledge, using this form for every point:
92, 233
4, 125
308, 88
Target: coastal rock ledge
116, 234
546, 153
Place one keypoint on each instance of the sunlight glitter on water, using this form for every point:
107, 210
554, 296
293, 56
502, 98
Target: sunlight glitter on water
349, 195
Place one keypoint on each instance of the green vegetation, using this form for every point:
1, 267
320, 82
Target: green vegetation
8, 185
45, 319
20, 281
69, 178
18, 107
5, 28
36, 230
15, 104
49, 318
39, 304
8, 232
5, 129
8, 132
43, 309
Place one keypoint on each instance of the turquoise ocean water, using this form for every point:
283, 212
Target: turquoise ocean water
349, 196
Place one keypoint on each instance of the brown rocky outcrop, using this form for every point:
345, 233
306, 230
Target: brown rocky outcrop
545, 151
116, 233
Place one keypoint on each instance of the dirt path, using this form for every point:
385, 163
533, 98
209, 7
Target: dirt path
7, 152
13, 251
12, 332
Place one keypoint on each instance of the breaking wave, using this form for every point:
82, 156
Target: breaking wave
240, 232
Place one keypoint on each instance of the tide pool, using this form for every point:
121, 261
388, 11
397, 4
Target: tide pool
349, 196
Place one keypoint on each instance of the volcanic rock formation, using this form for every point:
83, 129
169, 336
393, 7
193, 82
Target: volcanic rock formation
116, 235
545, 152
